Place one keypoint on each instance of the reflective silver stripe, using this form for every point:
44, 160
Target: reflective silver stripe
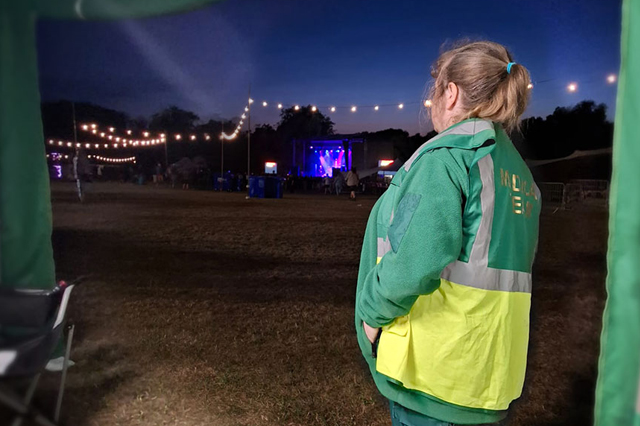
485, 278
477, 273
480, 250
468, 128
384, 246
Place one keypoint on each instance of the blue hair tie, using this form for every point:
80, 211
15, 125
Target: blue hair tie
509, 65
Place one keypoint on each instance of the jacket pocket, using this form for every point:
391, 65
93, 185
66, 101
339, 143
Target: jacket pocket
399, 327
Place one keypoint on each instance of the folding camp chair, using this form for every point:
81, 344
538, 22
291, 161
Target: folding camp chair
31, 325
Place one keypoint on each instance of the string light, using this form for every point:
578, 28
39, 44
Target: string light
250, 101
193, 137
111, 129
178, 137
611, 78
85, 127
353, 109
114, 160
297, 107
333, 109
400, 106
128, 132
264, 104
314, 109
279, 106
427, 103
530, 86
572, 87
375, 108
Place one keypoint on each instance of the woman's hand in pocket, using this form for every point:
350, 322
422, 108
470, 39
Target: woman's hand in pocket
372, 333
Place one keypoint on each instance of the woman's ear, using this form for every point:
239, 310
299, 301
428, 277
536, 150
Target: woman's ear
451, 95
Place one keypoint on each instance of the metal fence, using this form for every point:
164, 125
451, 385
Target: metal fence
579, 191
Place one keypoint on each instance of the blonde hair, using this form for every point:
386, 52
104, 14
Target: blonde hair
488, 91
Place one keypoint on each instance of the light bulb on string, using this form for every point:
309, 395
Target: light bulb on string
611, 78
400, 106
353, 109
279, 106
250, 101
314, 109
427, 103
333, 109
530, 86
264, 104
297, 107
572, 87
375, 108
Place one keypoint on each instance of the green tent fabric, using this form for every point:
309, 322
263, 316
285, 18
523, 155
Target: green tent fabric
26, 256
618, 388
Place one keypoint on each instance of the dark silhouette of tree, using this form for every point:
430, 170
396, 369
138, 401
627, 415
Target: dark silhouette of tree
173, 120
303, 124
581, 127
57, 118
138, 124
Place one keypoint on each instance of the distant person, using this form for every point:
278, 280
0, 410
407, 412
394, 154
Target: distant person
352, 182
326, 184
338, 181
173, 175
158, 177
100, 171
444, 288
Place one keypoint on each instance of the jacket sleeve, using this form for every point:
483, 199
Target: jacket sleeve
424, 237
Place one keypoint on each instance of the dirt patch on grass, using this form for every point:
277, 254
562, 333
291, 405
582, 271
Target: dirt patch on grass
209, 309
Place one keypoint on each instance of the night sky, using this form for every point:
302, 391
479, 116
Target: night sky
337, 52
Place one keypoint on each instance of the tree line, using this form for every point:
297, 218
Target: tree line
583, 126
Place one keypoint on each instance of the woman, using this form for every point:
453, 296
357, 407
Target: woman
444, 288
353, 180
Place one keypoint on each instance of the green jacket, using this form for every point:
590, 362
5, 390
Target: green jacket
445, 270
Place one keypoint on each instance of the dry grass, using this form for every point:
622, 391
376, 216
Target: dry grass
209, 309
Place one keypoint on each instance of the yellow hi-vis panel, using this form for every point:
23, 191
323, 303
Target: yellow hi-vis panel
463, 345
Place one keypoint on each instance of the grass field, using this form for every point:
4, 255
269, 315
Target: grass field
203, 308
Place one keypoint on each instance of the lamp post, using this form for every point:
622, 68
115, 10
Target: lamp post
221, 180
